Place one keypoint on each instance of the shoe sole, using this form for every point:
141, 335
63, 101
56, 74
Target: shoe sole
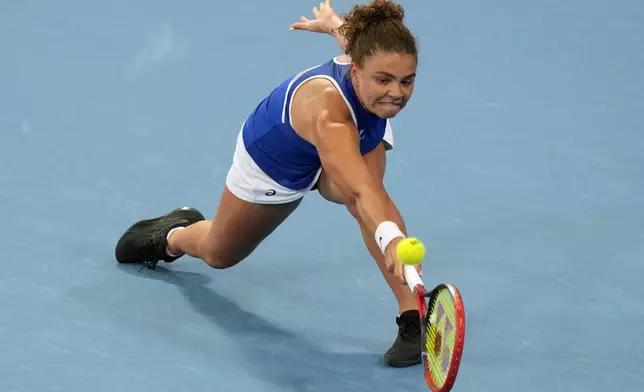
405, 364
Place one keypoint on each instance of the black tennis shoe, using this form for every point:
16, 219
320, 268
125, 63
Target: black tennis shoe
146, 241
406, 349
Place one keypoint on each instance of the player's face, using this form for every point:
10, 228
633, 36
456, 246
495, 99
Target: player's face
385, 83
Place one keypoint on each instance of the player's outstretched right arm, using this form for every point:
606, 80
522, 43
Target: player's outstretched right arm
321, 116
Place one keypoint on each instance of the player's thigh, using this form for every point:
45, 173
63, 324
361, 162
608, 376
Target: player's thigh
376, 162
251, 207
239, 226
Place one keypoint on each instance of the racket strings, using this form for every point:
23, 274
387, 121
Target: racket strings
441, 338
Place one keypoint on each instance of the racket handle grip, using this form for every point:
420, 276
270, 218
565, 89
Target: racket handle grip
412, 277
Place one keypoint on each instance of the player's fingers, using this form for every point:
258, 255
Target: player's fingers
391, 267
400, 274
316, 13
303, 25
397, 272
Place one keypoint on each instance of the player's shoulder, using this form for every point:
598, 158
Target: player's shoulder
344, 59
321, 95
324, 88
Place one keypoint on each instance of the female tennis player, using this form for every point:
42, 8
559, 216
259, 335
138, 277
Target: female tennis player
327, 129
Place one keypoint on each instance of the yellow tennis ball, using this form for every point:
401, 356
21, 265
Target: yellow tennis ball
410, 251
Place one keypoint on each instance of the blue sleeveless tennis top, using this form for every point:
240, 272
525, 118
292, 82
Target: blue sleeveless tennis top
284, 155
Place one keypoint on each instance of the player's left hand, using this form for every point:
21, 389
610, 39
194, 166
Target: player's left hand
326, 20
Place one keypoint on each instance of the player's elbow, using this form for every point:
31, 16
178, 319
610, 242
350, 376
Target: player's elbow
347, 195
357, 192
359, 197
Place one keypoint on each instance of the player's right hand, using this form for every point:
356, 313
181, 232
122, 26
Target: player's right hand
393, 264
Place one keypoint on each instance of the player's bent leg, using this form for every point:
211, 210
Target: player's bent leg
235, 232
251, 207
238, 228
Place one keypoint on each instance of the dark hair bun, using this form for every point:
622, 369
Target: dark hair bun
376, 26
363, 15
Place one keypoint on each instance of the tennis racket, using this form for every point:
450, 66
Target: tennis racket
442, 320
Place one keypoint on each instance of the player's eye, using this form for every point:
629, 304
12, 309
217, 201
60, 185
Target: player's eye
407, 82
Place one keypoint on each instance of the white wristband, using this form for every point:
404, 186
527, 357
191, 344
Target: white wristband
385, 233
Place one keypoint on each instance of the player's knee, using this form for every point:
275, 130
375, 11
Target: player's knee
331, 193
217, 262
329, 197
215, 258
328, 190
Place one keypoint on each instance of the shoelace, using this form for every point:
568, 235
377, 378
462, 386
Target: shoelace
151, 264
151, 242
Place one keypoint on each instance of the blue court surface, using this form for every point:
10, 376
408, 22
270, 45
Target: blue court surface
519, 161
